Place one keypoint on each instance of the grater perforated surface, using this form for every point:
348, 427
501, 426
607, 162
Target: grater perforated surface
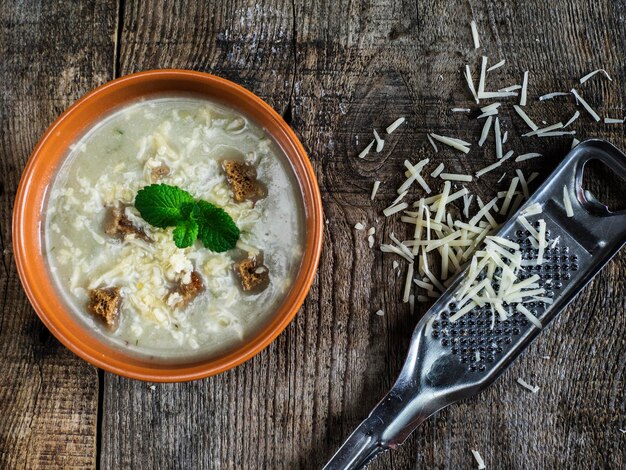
478, 330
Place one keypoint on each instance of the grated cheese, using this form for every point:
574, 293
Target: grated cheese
498, 137
509, 195
496, 94
371, 231
511, 88
528, 156
487, 169
394, 125
380, 313
531, 318
407, 283
498, 65
470, 83
367, 149
567, 203
437, 170
522, 101
380, 143
370, 241
485, 132
455, 177
393, 209
556, 134
451, 142
589, 109
575, 142
359, 226
483, 76
460, 110
613, 121
522, 181
525, 117
375, 190
550, 96
572, 119
479, 460
475, 34
591, 74
527, 386
432, 142
558, 125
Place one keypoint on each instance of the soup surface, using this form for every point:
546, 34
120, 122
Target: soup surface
126, 278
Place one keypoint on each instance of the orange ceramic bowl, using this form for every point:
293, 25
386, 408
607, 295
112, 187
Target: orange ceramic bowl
48, 156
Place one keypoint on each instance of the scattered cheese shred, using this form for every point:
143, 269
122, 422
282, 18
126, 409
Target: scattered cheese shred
549, 96
437, 171
460, 110
509, 195
522, 101
432, 142
528, 314
485, 132
475, 34
479, 460
487, 169
528, 156
575, 142
558, 125
483, 76
455, 177
393, 209
525, 117
511, 88
380, 143
359, 226
498, 137
451, 142
572, 119
567, 203
367, 149
591, 74
608, 120
380, 313
527, 386
375, 189
585, 105
395, 124
496, 66
496, 94
470, 83
407, 283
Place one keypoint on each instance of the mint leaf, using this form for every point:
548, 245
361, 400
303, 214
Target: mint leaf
217, 230
185, 233
161, 205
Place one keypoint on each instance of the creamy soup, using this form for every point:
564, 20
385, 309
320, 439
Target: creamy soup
126, 278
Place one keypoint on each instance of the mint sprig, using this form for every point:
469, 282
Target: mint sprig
165, 206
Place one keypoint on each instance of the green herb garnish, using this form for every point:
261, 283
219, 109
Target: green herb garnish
165, 206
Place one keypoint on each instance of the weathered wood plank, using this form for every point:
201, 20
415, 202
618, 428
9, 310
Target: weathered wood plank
240, 419
359, 66
373, 63
51, 54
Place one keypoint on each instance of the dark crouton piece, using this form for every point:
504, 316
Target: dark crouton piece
117, 224
242, 180
160, 172
253, 274
105, 304
189, 291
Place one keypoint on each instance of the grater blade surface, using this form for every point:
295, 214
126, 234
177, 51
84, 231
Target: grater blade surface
442, 366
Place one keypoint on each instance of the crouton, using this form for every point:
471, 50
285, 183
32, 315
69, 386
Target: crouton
118, 225
105, 304
160, 172
242, 180
254, 276
185, 293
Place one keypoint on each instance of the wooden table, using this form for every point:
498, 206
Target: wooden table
335, 69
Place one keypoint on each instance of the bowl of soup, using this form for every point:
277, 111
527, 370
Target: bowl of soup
167, 226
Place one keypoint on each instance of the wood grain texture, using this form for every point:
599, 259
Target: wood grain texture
51, 54
335, 70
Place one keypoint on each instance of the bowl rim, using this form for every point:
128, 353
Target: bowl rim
28, 246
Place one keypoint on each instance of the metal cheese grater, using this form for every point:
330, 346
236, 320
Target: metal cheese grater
442, 366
